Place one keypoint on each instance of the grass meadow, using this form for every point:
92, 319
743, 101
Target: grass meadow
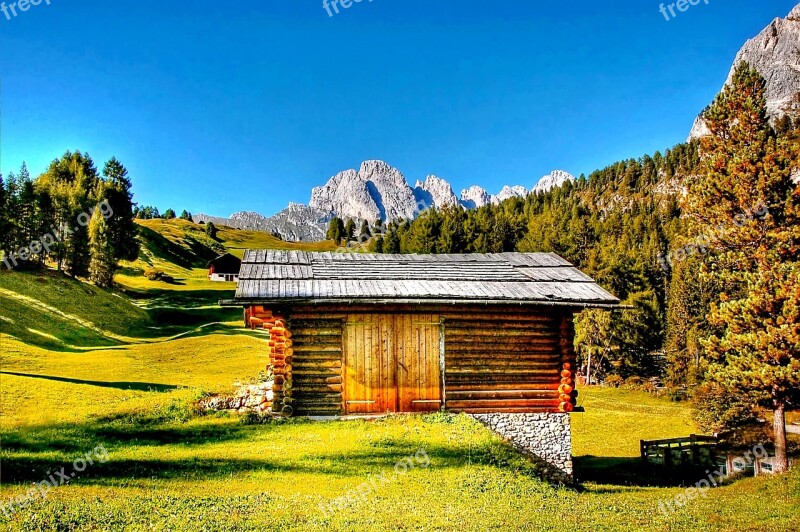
82, 369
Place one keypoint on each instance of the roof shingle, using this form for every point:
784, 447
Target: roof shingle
271, 276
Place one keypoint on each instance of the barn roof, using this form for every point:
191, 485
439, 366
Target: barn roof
285, 277
226, 260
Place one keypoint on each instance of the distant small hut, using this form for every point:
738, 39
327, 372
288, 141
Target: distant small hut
490, 335
224, 268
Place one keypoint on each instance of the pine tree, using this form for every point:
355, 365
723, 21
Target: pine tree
186, 215
364, 233
350, 230
376, 245
4, 217
336, 230
28, 222
747, 194
378, 228
74, 186
123, 230
169, 214
211, 231
391, 243
102, 264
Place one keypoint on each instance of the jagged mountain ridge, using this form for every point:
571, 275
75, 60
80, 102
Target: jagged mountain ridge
375, 191
775, 53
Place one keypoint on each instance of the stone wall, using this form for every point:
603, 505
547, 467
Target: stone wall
254, 397
545, 438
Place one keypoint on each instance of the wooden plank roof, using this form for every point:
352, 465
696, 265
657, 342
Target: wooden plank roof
272, 276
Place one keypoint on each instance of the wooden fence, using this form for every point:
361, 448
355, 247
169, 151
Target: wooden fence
695, 450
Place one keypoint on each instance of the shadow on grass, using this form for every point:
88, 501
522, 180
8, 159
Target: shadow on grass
138, 386
182, 299
30, 454
627, 471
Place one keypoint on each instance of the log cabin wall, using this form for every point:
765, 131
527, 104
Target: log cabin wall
503, 361
317, 363
496, 359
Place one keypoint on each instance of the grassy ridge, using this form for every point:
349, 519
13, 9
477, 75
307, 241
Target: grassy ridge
182, 250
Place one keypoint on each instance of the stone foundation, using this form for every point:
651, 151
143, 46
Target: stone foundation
545, 438
255, 398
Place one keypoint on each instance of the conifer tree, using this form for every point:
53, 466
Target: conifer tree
350, 230
336, 230
122, 229
103, 263
4, 217
746, 189
364, 234
211, 231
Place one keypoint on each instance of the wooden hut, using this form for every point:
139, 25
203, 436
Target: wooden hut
224, 268
361, 334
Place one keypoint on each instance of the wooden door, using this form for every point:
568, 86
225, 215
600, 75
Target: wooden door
391, 363
368, 366
419, 386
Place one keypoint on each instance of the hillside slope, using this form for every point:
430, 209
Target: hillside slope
181, 249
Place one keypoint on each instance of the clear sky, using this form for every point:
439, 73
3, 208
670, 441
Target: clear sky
221, 106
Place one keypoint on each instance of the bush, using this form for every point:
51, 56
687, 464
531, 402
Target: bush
154, 274
650, 388
634, 383
614, 381
676, 394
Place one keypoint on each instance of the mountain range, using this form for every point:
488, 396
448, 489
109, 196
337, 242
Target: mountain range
378, 190
375, 191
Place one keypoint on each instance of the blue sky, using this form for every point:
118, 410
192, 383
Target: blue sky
246, 105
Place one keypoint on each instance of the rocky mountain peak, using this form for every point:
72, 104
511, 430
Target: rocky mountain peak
554, 179
475, 197
508, 192
376, 190
775, 53
434, 191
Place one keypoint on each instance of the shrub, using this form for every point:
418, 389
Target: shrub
650, 388
153, 274
675, 394
615, 381
634, 383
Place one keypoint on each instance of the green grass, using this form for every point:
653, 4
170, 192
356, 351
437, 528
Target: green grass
182, 250
80, 367
171, 469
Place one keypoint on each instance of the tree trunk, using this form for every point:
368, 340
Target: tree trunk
589, 370
779, 428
